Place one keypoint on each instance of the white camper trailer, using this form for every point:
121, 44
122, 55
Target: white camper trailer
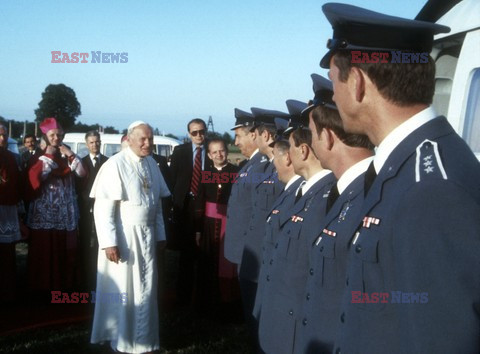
111, 144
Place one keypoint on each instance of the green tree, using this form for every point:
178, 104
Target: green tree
169, 135
228, 138
59, 101
110, 130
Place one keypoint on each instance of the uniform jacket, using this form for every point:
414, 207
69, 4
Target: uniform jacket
328, 251
264, 193
287, 273
418, 243
281, 206
239, 209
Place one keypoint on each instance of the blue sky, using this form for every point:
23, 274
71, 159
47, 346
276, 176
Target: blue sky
186, 59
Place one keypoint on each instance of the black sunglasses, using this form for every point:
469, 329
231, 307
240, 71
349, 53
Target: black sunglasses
196, 132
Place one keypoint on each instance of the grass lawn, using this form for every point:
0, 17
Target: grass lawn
182, 331
181, 334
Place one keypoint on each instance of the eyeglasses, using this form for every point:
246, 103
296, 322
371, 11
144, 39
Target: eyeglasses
196, 132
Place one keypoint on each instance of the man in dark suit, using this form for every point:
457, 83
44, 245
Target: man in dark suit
88, 237
187, 163
412, 282
30, 144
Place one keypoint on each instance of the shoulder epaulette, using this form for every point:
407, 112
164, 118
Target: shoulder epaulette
428, 162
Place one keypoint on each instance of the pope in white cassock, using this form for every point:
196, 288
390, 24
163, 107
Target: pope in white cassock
128, 217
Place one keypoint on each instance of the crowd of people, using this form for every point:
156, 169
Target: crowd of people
353, 225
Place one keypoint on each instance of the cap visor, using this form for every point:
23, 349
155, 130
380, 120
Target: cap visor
325, 62
237, 126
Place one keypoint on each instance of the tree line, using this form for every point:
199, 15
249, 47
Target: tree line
60, 101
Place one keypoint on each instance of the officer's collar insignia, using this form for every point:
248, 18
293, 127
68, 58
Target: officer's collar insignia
428, 161
296, 218
369, 220
244, 174
263, 159
329, 232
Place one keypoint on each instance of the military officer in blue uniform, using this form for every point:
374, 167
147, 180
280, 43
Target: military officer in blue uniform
265, 189
239, 209
347, 156
412, 283
287, 272
283, 204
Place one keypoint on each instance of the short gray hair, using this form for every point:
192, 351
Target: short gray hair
92, 133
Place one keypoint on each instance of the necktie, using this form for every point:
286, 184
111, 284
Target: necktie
299, 192
197, 171
95, 163
332, 197
369, 178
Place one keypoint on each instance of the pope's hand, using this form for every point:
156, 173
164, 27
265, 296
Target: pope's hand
113, 254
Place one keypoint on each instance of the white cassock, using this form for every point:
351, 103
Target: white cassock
128, 214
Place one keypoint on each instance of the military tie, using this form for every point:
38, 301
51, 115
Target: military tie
332, 197
370, 176
299, 193
197, 171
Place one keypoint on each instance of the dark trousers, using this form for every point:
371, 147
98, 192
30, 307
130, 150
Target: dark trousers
185, 234
248, 289
88, 248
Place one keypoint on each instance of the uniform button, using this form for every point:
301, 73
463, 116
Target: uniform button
342, 317
304, 321
308, 296
290, 313
311, 271
271, 261
346, 281
276, 245
358, 249
321, 249
268, 277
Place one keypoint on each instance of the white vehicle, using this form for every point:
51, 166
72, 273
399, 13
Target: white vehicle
13, 145
111, 144
457, 58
